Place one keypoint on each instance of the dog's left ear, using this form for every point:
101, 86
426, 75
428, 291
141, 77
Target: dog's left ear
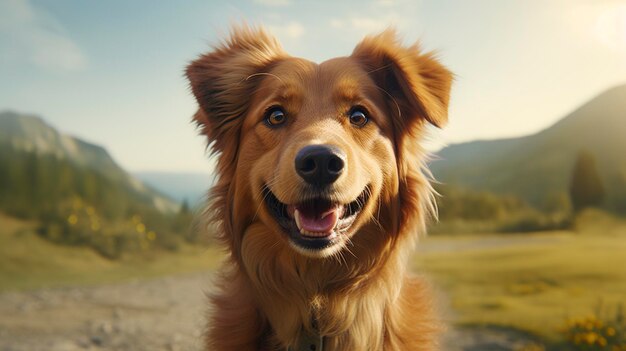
418, 83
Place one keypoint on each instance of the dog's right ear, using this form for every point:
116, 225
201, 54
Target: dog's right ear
224, 80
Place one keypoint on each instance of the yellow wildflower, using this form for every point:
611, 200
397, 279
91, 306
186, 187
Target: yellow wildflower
72, 219
141, 228
95, 226
151, 235
591, 338
602, 341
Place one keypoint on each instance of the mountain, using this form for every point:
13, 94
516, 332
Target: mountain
190, 187
29, 141
539, 166
31, 134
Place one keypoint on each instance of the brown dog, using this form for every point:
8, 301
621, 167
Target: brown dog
321, 192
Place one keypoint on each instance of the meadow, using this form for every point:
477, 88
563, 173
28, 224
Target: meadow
27, 261
533, 282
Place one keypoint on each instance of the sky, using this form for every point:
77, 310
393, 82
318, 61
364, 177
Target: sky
111, 72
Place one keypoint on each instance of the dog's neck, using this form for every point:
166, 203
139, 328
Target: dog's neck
347, 298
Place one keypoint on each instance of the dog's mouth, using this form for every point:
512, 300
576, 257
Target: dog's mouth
316, 223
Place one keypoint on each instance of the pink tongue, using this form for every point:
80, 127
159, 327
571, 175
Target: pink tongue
322, 225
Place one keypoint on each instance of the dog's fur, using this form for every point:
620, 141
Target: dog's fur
356, 293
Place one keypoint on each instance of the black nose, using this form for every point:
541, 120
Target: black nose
320, 164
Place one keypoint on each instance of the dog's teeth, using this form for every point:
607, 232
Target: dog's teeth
314, 234
296, 216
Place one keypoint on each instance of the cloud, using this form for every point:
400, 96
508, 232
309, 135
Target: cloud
32, 35
291, 30
360, 24
363, 24
378, 15
273, 2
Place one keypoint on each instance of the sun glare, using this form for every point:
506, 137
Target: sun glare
611, 27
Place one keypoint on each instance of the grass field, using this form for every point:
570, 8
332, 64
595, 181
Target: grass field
535, 283
29, 262
532, 282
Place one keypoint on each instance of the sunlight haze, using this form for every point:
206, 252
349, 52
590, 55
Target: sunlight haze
112, 72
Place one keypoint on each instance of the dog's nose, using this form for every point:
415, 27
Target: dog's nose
320, 164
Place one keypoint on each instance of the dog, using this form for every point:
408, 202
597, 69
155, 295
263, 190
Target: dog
321, 194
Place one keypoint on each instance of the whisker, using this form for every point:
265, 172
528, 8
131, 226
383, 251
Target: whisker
349, 241
263, 74
380, 68
343, 258
265, 190
337, 256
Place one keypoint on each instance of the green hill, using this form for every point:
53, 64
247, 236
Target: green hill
31, 137
538, 167
77, 192
32, 134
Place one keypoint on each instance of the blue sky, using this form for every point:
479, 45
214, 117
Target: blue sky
111, 71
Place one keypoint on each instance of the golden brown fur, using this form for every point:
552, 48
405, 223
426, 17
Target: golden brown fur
358, 292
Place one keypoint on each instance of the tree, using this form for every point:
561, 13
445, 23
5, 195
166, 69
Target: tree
557, 202
183, 223
586, 188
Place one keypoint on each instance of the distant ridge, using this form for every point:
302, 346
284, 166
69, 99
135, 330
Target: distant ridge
24, 134
187, 186
537, 166
32, 134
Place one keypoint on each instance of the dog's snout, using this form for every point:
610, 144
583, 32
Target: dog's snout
320, 164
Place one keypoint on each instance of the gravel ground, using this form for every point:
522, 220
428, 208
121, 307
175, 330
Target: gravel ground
161, 314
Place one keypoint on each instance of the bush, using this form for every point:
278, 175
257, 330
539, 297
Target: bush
589, 333
534, 222
593, 333
79, 223
77, 205
458, 203
467, 211
532, 347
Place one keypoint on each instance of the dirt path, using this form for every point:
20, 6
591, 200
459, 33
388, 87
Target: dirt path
162, 314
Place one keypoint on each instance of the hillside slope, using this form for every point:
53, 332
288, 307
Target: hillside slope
76, 194
24, 136
538, 166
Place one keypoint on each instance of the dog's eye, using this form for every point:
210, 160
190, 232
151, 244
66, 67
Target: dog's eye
358, 117
275, 117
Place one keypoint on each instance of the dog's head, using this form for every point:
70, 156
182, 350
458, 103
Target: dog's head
318, 156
